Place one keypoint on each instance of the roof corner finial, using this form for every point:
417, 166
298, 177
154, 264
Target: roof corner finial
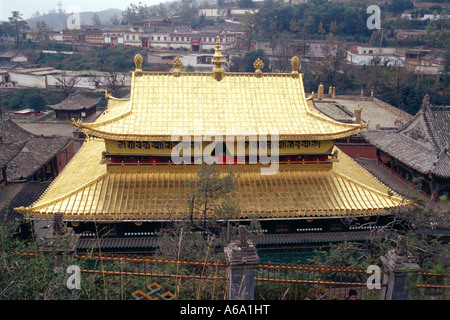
218, 71
295, 63
426, 101
259, 64
138, 60
177, 64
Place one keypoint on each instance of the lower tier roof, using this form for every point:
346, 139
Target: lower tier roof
87, 191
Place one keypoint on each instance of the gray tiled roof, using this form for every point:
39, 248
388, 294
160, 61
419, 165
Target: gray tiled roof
271, 239
76, 101
36, 151
423, 143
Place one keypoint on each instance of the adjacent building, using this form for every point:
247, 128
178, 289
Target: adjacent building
27, 157
419, 150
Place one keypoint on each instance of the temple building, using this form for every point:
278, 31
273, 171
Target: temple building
76, 106
418, 151
130, 172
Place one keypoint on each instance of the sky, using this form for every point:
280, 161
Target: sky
28, 7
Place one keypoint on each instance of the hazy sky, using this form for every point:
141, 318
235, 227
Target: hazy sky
28, 7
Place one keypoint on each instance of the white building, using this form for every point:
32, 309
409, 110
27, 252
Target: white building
366, 55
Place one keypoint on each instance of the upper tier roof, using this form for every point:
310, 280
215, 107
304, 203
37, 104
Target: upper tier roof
166, 104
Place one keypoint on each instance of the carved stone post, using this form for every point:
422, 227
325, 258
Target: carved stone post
242, 259
320, 92
399, 262
59, 237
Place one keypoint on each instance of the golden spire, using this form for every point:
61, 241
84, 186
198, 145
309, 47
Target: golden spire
218, 71
177, 64
138, 60
259, 64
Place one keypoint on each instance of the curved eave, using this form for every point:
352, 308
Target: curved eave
152, 195
90, 130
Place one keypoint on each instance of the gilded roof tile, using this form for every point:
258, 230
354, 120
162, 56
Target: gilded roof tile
162, 105
152, 192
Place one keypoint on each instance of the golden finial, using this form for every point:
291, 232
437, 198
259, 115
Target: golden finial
107, 95
177, 64
259, 64
138, 60
295, 63
218, 72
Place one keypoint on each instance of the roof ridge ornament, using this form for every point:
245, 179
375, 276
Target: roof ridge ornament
426, 101
138, 60
218, 71
295, 63
259, 64
177, 64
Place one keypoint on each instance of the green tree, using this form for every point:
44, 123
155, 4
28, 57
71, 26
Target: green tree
96, 20
332, 67
249, 27
245, 64
398, 6
407, 220
36, 102
115, 20
42, 32
135, 12
203, 230
16, 27
245, 3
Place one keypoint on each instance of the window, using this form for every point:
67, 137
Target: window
335, 225
281, 226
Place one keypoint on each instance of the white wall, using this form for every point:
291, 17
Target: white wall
28, 80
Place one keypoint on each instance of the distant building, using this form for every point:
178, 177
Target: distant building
423, 61
419, 149
366, 55
13, 56
406, 34
76, 106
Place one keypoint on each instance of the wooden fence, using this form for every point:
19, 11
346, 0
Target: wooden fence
116, 277
208, 280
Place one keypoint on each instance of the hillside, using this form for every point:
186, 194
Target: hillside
57, 21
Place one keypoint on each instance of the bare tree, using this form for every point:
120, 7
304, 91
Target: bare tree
333, 62
282, 52
66, 82
204, 226
112, 80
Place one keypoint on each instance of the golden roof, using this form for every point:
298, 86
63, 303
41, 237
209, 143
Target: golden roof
164, 104
87, 190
